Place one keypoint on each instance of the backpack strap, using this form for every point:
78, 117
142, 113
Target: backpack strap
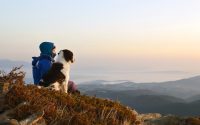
35, 70
35, 61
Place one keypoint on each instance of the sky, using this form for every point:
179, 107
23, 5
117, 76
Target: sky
106, 35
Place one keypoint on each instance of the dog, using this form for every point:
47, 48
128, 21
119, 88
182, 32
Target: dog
58, 76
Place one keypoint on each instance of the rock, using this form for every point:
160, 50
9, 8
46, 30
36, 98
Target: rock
15, 122
141, 118
9, 122
166, 120
36, 119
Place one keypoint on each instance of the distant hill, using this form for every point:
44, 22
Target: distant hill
184, 88
193, 98
181, 97
6, 65
145, 101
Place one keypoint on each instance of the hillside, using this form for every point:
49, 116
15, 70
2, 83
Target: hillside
25, 104
161, 98
184, 88
145, 101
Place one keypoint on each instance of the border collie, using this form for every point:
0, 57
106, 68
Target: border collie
58, 76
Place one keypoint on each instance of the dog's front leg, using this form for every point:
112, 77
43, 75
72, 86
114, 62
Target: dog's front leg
65, 86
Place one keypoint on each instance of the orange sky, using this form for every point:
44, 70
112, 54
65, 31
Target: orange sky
160, 35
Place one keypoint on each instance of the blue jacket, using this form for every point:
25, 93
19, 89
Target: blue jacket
42, 64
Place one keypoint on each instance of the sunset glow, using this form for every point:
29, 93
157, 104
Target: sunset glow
124, 34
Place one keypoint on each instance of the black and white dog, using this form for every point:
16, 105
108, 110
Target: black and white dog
58, 76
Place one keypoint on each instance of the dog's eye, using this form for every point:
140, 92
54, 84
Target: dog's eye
58, 53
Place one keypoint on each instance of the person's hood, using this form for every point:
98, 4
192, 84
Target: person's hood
46, 48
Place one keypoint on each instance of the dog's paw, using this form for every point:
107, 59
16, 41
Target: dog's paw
39, 87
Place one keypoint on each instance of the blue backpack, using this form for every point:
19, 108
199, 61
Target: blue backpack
40, 66
35, 70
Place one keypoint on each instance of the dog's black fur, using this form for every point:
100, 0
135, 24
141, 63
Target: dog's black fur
53, 75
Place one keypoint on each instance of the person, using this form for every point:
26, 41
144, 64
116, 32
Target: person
42, 64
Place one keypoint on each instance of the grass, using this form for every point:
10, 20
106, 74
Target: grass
60, 108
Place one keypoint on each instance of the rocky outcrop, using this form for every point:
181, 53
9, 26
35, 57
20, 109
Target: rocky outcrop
173, 120
141, 118
6, 111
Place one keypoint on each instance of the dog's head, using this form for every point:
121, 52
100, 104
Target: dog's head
65, 56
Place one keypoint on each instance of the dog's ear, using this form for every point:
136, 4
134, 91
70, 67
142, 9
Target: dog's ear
68, 55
